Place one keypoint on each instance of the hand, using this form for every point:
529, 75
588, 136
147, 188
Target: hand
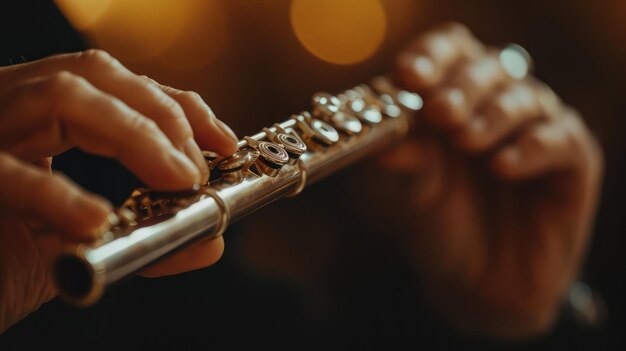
88, 100
507, 180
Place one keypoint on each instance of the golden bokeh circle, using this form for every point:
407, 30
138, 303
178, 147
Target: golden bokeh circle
83, 14
183, 35
140, 29
339, 31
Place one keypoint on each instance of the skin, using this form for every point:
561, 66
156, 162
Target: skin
503, 177
90, 101
505, 181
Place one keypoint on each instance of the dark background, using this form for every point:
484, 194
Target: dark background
334, 282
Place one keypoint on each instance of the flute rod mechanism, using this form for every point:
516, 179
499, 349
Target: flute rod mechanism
277, 162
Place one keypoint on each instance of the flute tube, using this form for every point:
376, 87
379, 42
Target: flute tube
85, 271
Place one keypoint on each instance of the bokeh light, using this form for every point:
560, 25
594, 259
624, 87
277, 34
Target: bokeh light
139, 29
182, 35
201, 37
339, 31
84, 14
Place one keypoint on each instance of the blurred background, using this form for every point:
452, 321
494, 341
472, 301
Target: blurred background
256, 62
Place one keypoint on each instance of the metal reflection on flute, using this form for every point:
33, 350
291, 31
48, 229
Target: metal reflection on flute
277, 162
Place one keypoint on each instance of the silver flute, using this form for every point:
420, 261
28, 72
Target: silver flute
280, 161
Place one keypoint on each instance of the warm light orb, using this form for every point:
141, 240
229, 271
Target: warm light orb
182, 35
83, 14
140, 29
201, 39
339, 31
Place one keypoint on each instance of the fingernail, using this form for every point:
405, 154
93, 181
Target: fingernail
192, 150
184, 166
226, 130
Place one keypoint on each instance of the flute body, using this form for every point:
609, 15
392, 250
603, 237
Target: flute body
278, 162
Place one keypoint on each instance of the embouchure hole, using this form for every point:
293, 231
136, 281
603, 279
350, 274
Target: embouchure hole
73, 276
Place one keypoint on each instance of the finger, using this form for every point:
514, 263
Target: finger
110, 76
196, 256
563, 144
433, 55
211, 133
53, 199
64, 108
453, 102
506, 113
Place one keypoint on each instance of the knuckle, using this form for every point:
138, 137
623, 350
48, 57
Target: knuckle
551, 137
164, 101
503, 106
455, 27
548, 101
96, 58
450, 28
149, 81
62, 78
483, 73
195, 101
527, 98
62, 82
513, 105
169, 104
574, 129
500, 109
168, 114
137, 127
191, 98
141, 125
462, 35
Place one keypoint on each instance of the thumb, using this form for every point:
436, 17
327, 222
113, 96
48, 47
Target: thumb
29, 191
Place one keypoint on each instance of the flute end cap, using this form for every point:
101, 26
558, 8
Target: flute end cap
75, 279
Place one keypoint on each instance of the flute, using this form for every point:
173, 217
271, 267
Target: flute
280, 161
